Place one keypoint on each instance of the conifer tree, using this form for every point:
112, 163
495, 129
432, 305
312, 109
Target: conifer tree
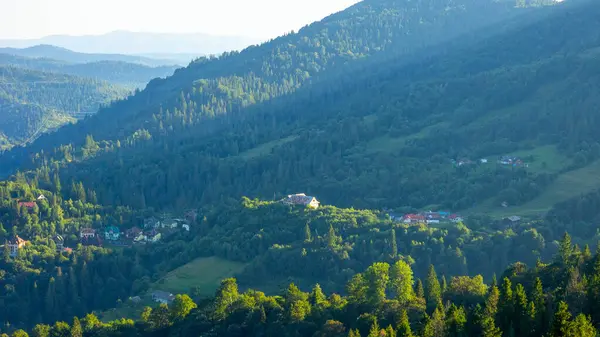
401, 281
561, 321
307, 233
393, 244
433, 291
404, 329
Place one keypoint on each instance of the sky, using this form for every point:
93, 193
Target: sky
28, 19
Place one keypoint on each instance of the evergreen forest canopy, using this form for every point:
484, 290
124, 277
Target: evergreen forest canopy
366, 114
33, 102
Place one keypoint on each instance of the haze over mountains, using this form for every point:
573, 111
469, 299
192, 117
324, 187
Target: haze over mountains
134, 43
457, 136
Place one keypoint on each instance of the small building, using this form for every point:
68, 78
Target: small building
41, 197
483, 160
140, 238
186, 227
151, 222
59, 242
512, 220
163, 297
455, 218
15, 243
156, 238
27, 204
302, 199
87, 233
133, 232
135, 299
191, 215
413, 218
112, 233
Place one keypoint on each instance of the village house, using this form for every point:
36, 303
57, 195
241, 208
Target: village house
59, 242
15, 243
163, 297
27, 204
455, 218
87, 233
133, 232
512, 220
112, 233
302, 199
413, 218
152, 222
191, 215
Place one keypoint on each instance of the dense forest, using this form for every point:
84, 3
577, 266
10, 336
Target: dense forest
359, 139
33, 102
557, 300
389, 106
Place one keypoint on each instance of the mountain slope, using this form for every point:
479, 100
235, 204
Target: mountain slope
237, 80
323, 129
33, 102
117, 72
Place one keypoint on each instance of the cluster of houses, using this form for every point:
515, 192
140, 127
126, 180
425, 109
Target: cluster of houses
302, 200
512, 161
152, 231
426, 217
504, 161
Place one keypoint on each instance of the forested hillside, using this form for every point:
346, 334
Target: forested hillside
557, 300
382, 134
116, 72
33, 102
212, 94
393, 105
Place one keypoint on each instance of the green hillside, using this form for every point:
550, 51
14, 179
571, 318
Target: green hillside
34, 102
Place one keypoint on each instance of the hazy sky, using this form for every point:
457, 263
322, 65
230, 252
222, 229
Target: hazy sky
253, 18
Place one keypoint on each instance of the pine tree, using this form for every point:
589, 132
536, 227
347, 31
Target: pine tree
394, 244
419, 290
331, 238
565, 250
76, 330
389, 331
433, 291
307, 233
444, 284
374, 331
521, 321
401, 280
404, 329
505, 305
560, 323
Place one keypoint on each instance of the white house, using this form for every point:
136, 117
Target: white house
302, 199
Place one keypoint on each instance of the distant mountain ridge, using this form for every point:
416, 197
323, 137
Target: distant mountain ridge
119, 72
70, 56
125, 42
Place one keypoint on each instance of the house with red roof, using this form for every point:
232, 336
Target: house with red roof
27, 204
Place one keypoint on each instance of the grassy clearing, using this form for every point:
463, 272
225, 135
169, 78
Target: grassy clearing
127, 309
266, 148
388, 144
204, 273
544, 159
568, 185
